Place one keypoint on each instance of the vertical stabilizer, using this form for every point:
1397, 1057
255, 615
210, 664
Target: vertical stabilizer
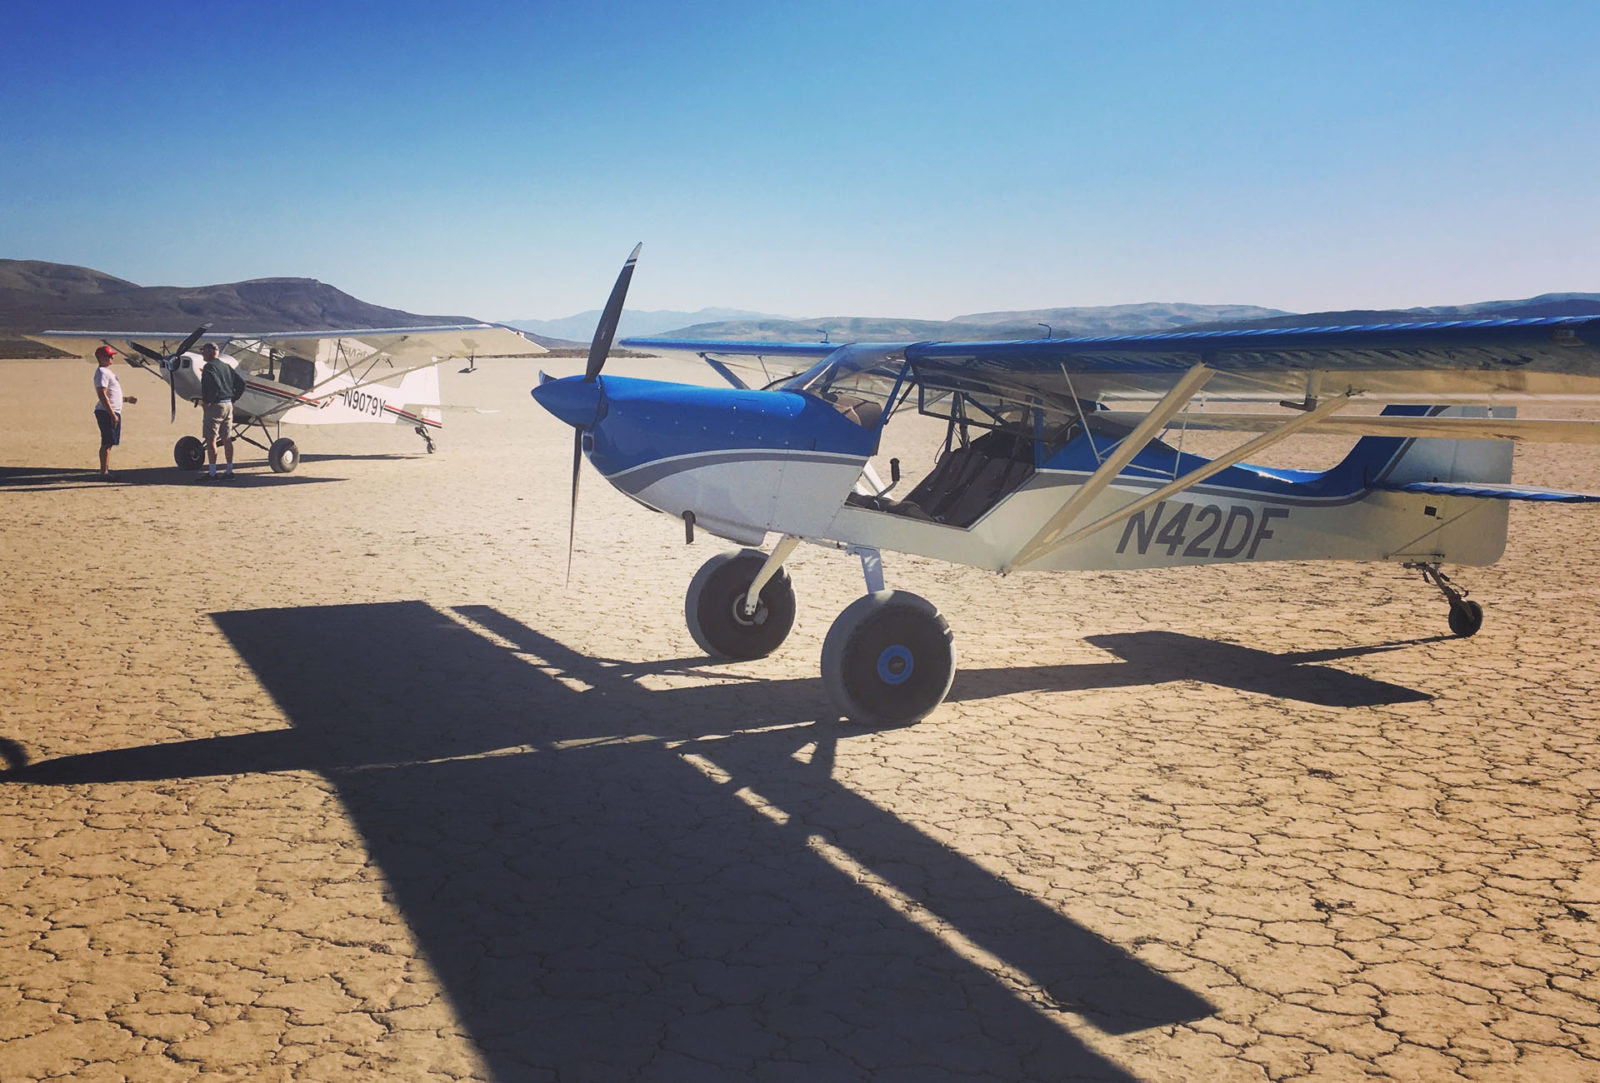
419, 394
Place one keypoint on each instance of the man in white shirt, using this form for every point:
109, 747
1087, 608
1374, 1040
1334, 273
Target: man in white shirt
108, 407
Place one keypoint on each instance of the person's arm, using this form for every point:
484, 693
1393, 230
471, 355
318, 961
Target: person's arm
105, 398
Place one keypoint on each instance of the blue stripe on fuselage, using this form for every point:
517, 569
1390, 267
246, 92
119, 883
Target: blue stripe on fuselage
1367, 464
643, 421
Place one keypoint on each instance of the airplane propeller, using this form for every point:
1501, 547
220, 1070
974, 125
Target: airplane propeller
168, 363
599, 347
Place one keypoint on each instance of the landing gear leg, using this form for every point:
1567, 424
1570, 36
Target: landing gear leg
1466, 616
422, 432
718, 610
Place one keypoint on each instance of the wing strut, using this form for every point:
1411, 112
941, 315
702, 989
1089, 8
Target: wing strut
1194, 477
1156, 420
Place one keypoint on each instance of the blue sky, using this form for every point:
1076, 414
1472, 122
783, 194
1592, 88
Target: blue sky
893, 159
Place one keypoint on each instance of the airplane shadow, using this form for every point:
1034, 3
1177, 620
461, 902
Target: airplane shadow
1159, 657
587, 864
52, 479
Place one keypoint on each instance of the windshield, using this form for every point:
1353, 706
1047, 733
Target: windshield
855, 380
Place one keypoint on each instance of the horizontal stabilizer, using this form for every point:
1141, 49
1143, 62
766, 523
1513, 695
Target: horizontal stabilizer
1492, 492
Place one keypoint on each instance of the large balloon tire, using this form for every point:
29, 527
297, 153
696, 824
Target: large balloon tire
889, 659
283, 456
713, 607
1466, 618
189, 453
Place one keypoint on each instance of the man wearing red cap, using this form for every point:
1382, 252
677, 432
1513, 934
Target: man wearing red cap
108, 410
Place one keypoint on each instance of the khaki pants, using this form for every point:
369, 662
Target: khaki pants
218, 421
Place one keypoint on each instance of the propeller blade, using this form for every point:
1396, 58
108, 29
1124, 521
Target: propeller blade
194, 336
572, 515
606, 329
147, 351
172, 388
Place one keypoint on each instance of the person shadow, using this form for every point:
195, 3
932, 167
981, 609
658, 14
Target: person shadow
614, 880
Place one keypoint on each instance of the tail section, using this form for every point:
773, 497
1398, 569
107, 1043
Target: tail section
1454, 490
418, 398
1390, 461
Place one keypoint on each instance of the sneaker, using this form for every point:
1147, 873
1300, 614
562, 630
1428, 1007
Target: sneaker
228, 473
203, 476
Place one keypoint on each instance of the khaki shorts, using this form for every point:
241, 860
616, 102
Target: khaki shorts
218, 421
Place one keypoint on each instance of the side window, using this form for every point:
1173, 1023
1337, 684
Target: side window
297, 372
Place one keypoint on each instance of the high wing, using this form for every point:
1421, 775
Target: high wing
1543, 358
346, 358
1499, 362
357, 358
406, 346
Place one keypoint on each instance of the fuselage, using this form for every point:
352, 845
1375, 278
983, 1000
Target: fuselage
302, 392
747, 463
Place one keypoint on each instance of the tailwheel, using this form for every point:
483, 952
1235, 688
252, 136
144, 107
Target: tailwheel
283, 456
1466, 617
889, 659
189, 453
714, 607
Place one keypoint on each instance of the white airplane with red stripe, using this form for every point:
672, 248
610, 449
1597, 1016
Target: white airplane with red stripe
365, 376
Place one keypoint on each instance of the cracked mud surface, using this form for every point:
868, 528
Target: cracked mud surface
386, 800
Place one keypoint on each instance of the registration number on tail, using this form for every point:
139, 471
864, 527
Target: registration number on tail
1200, 530
362, 402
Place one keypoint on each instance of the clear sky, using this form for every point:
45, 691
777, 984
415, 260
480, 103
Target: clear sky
915, 159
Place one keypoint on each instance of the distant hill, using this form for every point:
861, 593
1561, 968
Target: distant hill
40, 296
580, 328
1115, 320
1120, 319
1546, 304
1063, 322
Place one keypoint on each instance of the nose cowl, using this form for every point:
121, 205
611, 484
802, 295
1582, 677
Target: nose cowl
573, 399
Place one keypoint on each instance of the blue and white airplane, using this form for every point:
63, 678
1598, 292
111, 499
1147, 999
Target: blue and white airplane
1053, 461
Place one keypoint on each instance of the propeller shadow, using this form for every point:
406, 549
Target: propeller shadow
631, 883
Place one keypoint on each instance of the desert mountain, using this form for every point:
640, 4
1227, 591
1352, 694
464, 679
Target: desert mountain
580, 328
1062, 322
1546, 304
38, 296
1117, 320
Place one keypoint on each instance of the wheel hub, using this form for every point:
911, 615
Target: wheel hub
896, 664
752, 620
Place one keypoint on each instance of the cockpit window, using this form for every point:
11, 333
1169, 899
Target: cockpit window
855, 380
297, 372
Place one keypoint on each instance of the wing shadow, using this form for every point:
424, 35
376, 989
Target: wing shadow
573, 853
1161, 657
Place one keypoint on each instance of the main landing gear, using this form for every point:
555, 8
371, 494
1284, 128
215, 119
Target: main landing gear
189, 453
719, 615
888, 659
1466, 616
283, 455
